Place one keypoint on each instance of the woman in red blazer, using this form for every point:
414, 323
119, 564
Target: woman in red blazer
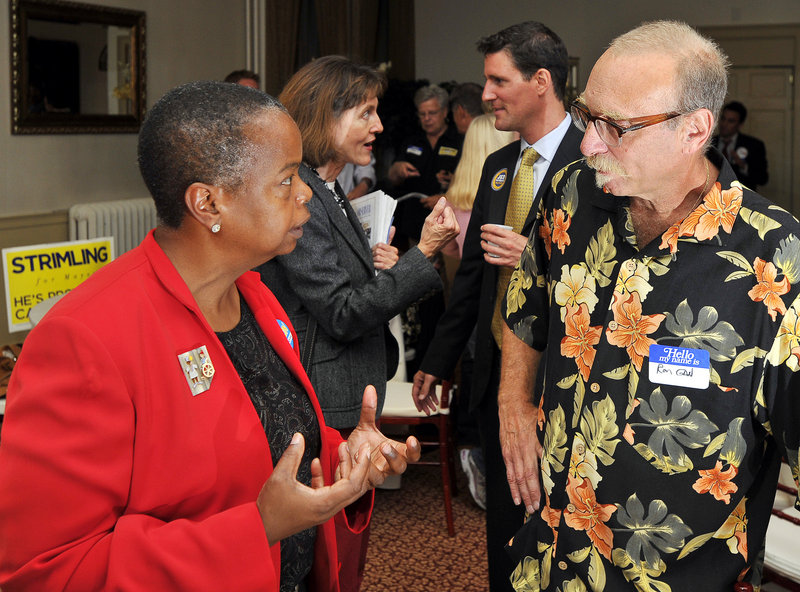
160, 431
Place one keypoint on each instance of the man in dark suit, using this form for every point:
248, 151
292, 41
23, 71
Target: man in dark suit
747, 154
525, 67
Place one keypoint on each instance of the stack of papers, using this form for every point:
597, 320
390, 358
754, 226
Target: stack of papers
375, 211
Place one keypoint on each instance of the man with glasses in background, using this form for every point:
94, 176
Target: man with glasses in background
667, 296
525, 66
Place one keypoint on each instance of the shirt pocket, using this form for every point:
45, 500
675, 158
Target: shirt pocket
675, 430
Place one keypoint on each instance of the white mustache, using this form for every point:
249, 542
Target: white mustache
605, 164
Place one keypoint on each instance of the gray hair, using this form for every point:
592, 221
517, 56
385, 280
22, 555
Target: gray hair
426, 93
197, 133
701, 66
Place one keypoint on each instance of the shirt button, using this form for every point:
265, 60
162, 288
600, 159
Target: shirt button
562, 565
595, 387
631, 265
613, 325
570, 508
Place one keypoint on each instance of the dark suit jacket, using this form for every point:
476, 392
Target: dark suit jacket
475, 285
756, 160
330, 276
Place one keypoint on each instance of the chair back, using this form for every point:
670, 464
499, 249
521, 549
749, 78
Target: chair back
782, 553
396, 329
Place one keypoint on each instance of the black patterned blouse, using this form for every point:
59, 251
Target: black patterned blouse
283, 408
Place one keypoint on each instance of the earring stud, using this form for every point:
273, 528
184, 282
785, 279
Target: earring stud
215, 228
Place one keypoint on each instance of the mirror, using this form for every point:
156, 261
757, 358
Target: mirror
76, 68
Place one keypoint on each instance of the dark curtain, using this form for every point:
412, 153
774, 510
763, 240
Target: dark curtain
365, 24
367, 31
333, 26
400, 37
283, 18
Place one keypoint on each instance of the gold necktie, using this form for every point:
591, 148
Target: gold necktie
519, 205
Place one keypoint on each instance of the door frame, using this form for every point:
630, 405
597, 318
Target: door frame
778, 45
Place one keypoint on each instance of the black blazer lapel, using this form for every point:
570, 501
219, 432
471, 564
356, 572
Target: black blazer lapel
568, 151
352, 217
507, 161
345, 225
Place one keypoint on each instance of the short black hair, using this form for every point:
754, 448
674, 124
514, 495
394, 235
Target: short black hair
737, 107
531, 46
238, 75
196, 133
468, 95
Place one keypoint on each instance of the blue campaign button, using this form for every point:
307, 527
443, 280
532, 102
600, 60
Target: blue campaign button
679, 356
286, 332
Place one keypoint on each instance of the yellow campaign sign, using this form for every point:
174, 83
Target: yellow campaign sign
36, 273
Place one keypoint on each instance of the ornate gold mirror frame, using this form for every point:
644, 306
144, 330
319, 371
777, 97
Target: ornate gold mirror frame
76, 68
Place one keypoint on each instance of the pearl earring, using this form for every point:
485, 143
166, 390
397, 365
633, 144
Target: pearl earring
215, 228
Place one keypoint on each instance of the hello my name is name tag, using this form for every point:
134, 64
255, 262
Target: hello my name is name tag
679, 366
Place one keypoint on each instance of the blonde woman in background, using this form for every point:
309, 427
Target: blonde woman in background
480, 141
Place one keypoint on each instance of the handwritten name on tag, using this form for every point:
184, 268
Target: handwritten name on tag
679, 366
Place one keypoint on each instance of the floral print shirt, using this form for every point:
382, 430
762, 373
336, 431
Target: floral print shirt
671, 387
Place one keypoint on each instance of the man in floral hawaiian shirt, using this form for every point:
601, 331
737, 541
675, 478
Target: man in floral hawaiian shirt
668, 297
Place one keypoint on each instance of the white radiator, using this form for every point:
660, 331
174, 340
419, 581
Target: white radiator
127, 220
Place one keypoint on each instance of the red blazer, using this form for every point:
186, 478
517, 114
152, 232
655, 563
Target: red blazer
113, 475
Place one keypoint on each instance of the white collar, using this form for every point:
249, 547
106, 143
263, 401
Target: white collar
547, 145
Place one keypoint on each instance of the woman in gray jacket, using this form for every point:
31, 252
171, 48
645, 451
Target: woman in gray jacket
338, 293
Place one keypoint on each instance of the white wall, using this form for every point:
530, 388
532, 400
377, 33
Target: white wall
202, 39
186, 40
446, 31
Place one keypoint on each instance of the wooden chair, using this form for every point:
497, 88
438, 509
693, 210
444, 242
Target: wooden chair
399, 409
782, 552
8, 357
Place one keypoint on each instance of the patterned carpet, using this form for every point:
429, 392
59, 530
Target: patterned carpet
409, 550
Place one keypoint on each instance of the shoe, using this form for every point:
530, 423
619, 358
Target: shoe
478, 468
475, 477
